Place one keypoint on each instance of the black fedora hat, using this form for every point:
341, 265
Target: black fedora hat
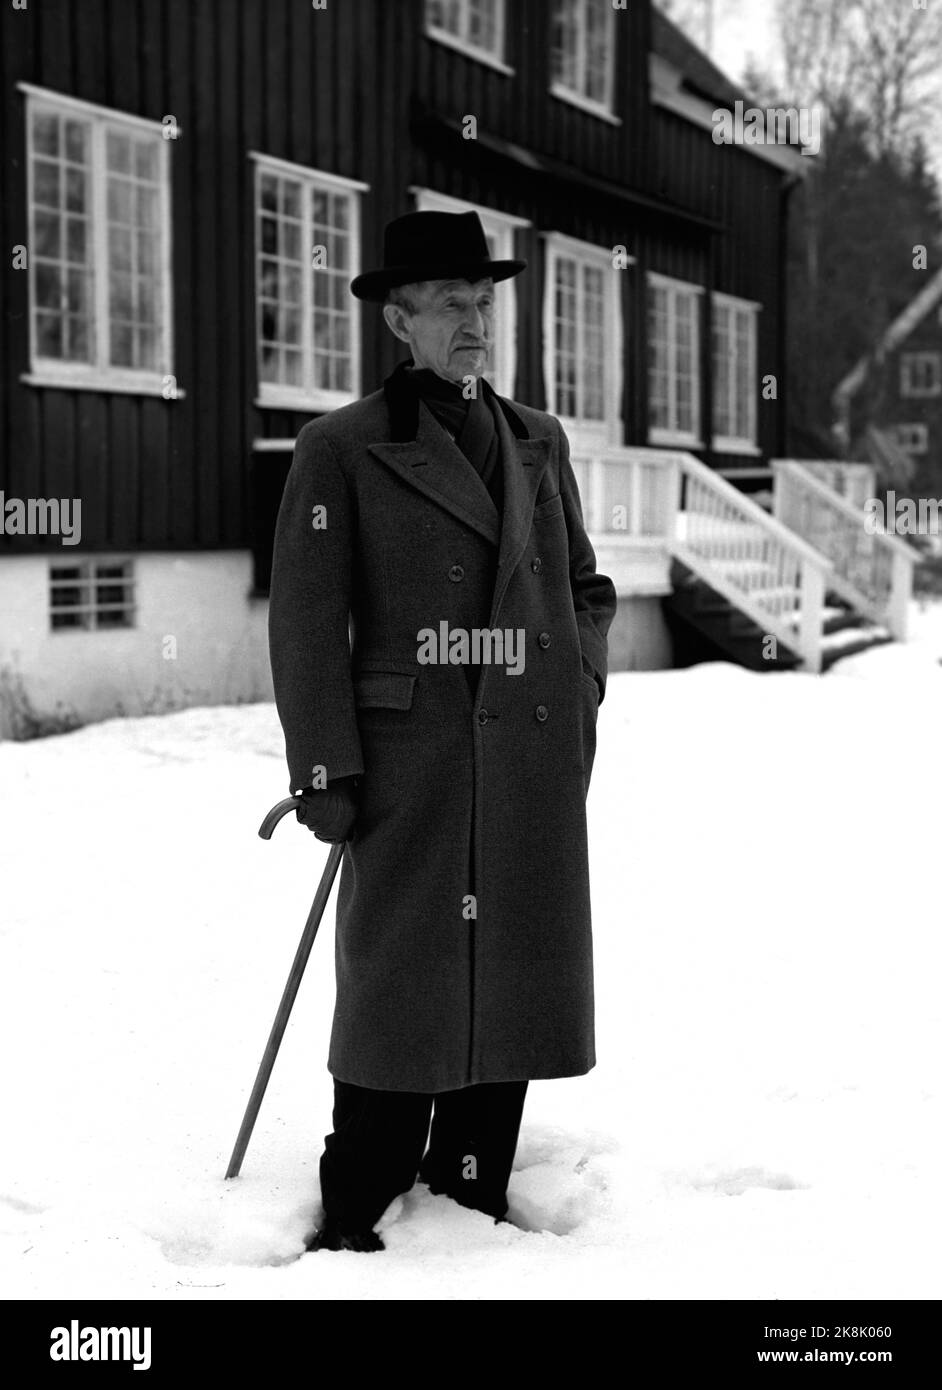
433, 246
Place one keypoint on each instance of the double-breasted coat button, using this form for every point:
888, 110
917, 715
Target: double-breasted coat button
483, 716
456, 574
544, 640
542, 713
536, 565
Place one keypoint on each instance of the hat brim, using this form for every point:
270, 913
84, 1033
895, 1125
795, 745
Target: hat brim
375, 284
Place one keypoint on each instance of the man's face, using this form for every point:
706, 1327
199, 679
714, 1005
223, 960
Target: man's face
452, 331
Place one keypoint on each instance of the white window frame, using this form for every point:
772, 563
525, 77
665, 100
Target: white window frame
494, 58
670, 435
101, 375
728, 443
910, 364
575, 95
918, 437
88, 580
584, 435
272, 395
500, 225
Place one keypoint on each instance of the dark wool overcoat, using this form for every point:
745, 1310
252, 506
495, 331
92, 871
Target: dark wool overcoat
463, 941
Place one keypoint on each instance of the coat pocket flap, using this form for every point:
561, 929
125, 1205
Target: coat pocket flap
384, 690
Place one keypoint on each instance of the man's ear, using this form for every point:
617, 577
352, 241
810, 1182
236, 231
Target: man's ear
397, 320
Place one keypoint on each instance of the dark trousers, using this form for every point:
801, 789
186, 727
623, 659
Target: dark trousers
376, 1149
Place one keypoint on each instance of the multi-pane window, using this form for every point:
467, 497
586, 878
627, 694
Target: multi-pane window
920, 374
582, 327
582, 50
734, 374
476, 26
914, 439
499, 232
307, 248
578, 321
673, 361
99, 198
91, 594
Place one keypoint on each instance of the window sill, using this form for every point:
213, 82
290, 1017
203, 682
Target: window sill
479, 55
124, 630
674, 439
736, 446
305, 402
104, 384
592, 108
273, 446
592, 437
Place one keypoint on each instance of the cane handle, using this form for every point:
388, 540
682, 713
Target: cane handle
290, 803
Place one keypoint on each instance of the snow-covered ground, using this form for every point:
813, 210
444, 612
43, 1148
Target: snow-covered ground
764, 1118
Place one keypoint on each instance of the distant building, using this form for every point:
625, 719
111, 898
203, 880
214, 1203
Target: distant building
889, 405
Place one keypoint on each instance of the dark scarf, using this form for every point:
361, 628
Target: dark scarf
471, 421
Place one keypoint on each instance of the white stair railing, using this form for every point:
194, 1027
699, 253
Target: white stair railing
627, 491
776, 569
750, 558
855, 482
871, 572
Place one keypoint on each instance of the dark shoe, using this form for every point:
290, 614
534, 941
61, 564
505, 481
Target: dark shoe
329, 1238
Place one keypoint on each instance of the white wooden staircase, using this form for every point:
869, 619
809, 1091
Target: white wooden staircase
801, 587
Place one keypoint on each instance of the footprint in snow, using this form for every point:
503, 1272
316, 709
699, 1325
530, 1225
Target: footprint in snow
559, 1182
740, 1180
17, 1204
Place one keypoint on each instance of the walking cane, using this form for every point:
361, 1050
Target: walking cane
290, 803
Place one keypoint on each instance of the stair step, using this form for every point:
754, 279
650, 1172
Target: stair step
770, 597
732, 632
837, 620
720, 625
740, 568
832, 652
842, 622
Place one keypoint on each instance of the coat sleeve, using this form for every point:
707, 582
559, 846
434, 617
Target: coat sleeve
308, 616
593, 594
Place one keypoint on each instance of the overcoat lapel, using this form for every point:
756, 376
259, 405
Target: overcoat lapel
525, 462
431, 462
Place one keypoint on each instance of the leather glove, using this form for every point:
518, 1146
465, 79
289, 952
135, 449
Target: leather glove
330, 811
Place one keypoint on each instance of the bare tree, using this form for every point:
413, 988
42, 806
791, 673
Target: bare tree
896, 50
881, 58
816, 63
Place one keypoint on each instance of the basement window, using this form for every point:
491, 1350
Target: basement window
91, 595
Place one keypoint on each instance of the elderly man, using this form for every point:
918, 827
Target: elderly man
438, 648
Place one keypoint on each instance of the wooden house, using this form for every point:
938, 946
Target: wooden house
168, 166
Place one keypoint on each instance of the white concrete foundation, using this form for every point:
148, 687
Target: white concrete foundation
218, 653
199, 640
